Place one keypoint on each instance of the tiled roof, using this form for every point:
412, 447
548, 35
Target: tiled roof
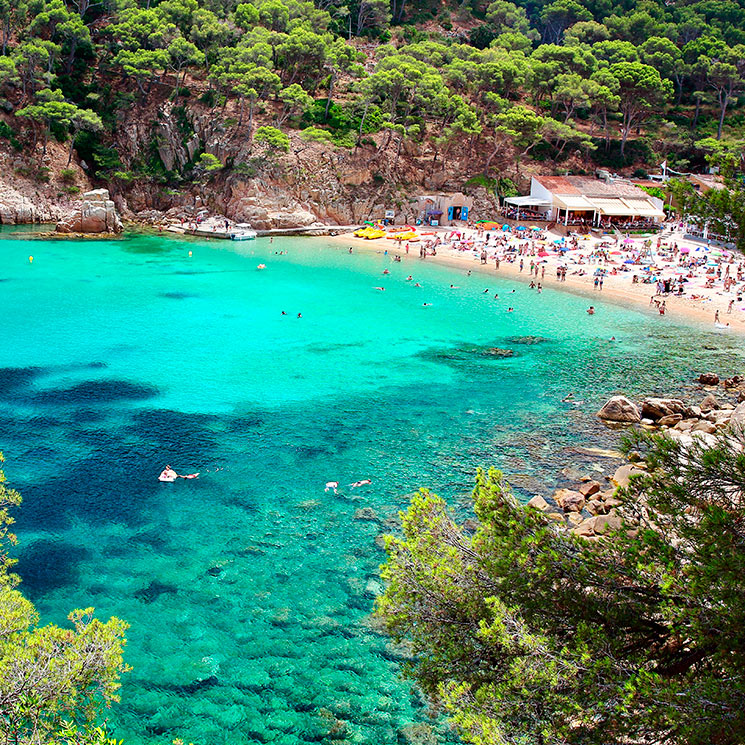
590, 187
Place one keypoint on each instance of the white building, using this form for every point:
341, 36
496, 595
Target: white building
572, 199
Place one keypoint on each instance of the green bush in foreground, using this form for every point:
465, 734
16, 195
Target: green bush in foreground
528, 634
54, 682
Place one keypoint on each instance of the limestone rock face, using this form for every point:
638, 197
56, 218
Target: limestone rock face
17, 208
620, 409
95, 214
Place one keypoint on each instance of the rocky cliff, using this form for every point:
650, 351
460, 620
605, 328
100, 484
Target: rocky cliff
313, 182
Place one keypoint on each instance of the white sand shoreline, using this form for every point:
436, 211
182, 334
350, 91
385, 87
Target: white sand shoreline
617, 289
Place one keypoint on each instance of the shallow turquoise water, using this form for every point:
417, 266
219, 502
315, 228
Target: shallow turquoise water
249, 589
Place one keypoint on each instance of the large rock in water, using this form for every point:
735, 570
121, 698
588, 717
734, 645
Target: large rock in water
656, 408
95, 214
619, 409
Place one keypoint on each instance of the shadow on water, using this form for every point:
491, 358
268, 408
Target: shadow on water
49, 564
13, 379
95, 392
178, 295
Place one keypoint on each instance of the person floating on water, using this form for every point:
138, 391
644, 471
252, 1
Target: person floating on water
382, 289
169, 475
361, 482
283, 313
332, 486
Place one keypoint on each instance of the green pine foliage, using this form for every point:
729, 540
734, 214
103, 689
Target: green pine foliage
572, 84
526, 633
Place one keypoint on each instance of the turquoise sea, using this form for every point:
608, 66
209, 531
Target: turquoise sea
249, 589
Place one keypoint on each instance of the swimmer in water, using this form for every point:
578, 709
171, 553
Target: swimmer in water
591, 310
509, 310
382, 289
613, 338
386, 271
496, 296
486, 291
426, 304
299, 315
409, 278
453, 287
416, 284
283, 313
568, 397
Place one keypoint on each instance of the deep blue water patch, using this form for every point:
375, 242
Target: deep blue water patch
49, 564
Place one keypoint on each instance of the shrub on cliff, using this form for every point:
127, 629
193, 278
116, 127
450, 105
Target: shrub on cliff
529, 634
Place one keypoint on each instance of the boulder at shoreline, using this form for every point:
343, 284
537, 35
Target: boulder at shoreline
620, 409
94, 214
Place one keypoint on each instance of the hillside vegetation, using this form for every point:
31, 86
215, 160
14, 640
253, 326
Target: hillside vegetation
157, 98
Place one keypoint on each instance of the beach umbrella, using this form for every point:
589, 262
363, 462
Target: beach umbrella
506, 227
521, 227
534, 227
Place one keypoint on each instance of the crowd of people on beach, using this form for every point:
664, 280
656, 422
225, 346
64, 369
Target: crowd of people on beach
671, 264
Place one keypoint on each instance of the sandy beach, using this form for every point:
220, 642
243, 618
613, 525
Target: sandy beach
697, 306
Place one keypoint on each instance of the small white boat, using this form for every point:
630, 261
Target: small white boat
243, 232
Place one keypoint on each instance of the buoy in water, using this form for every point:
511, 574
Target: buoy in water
189, 254
261, 266
30, 259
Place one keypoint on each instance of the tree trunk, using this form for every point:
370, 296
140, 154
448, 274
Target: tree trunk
331, 90
71, 57
694, 123
723, 105
362, 122
489, 160
72, 146
251, 121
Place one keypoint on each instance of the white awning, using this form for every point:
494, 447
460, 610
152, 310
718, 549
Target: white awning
613, 206
644, 208
527, 202
626, 207
574, 203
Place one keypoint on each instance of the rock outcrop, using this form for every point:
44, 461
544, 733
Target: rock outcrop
17, 208
620, 409
96, 213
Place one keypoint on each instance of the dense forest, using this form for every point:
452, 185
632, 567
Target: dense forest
571, 85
